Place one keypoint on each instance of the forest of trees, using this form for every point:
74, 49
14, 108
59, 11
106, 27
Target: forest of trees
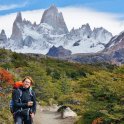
94, 91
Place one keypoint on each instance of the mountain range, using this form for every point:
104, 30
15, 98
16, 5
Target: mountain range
52, 37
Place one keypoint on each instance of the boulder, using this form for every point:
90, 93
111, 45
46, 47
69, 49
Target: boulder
68, 113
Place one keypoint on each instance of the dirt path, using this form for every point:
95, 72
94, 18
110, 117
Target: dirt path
50, 117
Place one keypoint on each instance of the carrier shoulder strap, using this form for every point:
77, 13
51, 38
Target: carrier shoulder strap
30, 91
20, 92
31, 94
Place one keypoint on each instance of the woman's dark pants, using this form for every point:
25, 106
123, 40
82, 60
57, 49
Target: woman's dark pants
19, 119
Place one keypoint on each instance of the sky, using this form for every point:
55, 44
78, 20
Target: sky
98, 13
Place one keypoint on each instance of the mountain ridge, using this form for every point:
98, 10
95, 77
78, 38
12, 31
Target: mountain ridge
52, 31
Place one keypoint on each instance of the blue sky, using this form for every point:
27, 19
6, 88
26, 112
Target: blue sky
11, 6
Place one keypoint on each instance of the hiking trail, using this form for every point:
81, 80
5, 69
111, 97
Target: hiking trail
50, 117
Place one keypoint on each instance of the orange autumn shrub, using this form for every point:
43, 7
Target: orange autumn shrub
98, 121
6, 77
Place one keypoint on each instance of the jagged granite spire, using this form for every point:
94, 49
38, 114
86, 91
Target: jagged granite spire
16, 33
19, 17
55, 19
3, 37
2, 32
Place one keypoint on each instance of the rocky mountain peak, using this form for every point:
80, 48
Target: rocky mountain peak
3, 37
2, 32
19, 17
116, 43
86, 26
86, 29
26, 22
100, 30
101, 34
53, 8
16, 32
52, 17
58, 52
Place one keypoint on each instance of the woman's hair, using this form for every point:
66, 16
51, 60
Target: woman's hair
28, 77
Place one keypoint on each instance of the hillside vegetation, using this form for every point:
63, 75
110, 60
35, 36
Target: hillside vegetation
95, 92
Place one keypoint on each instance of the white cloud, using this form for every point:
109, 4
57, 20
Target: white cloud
12, 6
73, 16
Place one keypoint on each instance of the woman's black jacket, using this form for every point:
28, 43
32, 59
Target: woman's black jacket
21, 102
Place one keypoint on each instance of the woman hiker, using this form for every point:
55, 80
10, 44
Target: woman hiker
24, 101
